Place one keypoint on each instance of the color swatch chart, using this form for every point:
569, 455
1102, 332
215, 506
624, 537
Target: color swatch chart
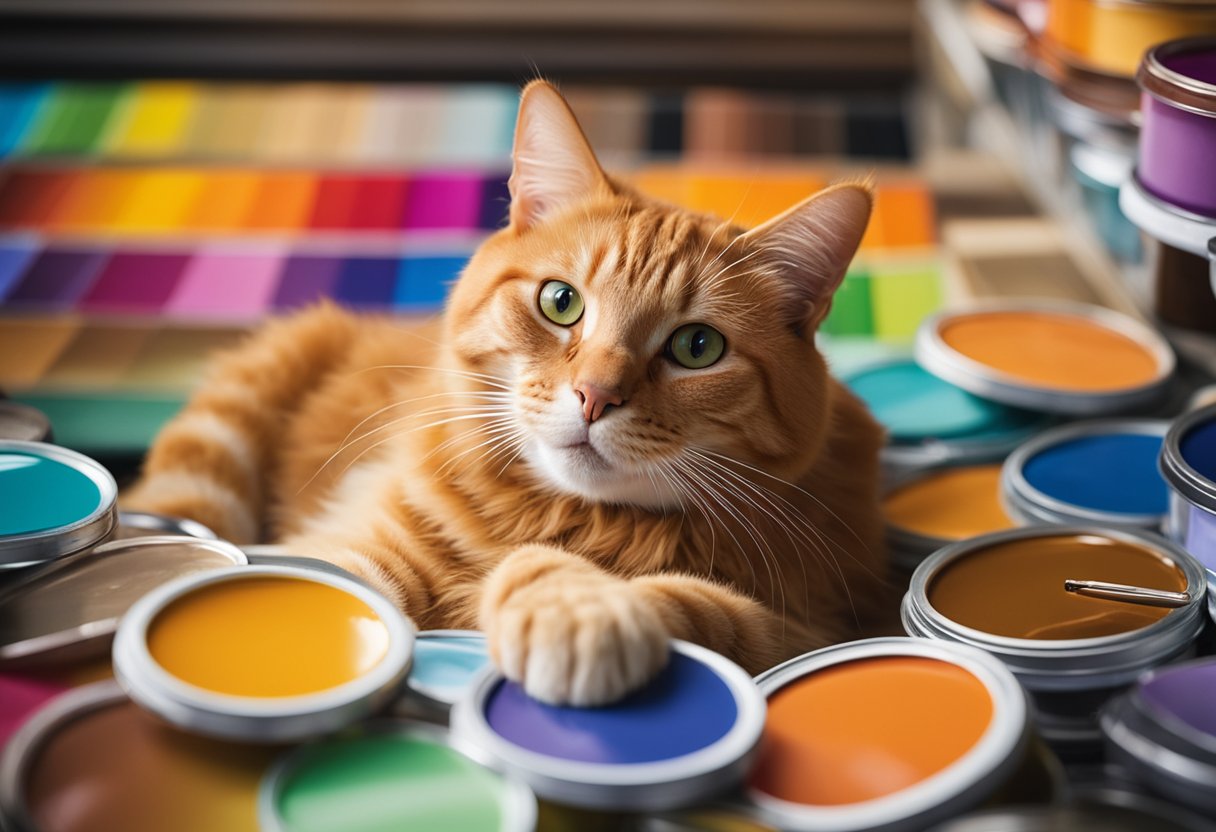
354, 125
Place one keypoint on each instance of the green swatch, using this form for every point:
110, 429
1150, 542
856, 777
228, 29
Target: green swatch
72, 121
387, 783
851, 313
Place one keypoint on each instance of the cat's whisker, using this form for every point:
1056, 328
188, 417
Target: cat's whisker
399, 434
497, 434
490, 395
484, 378
667, 471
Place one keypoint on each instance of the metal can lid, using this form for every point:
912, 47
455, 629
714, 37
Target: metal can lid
1066, 664
20, 421
1080, 473
688, 735
197, 623
376, 764
960, 784
446, 662
81, 513
959, 346
1166, 223
146, 523
1180, 473
69, 609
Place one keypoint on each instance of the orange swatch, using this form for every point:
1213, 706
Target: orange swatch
869, 728
953, 503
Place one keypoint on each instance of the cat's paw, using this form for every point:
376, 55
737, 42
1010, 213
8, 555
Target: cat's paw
586, 641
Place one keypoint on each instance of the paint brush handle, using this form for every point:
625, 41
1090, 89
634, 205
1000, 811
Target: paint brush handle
1128, 594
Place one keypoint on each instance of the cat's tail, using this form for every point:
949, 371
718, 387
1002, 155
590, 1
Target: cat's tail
211, 462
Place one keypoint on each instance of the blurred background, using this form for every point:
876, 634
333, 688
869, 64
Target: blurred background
173, 171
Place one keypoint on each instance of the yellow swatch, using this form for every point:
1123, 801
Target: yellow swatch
158, 120
160, 201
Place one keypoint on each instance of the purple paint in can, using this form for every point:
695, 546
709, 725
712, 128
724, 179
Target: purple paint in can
1184, 694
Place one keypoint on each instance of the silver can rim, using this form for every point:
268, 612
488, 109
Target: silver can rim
1025, 498
1193, 486
936, 356
424, 695
1066, 664
48, 544
655, 786
965, 782
257, 719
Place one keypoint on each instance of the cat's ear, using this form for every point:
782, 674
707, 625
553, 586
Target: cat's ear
810, 245
554, 165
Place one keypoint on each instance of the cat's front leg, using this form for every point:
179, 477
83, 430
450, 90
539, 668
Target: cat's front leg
568, 631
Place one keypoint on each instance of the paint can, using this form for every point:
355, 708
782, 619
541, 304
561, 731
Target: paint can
1188, 463
1179, 250
1099, 173
1102, 472
931, 422
1178, 134
1004, 593
951, 720
1129, 816
263, 653
92, 760
1067, 358
22, 422
934, 508
133, 524
688, 735
56, 502
69, 609
1109, 36
1163, 732
446, 662
391, 774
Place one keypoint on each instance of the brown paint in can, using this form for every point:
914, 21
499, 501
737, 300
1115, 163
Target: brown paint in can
1016, 588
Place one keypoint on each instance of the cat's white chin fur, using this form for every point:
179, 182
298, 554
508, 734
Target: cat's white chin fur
584, 471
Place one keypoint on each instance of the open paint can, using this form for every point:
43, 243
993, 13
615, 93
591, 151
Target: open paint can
932, 422
1004, 593
146, 524
1102, 472
1179, 244
391, 775
688, 735
446, 663
91, 760
22, 422
927, 511
69, 610
949, 723
263, 653
1178, 133
1067, 358
1109, 36
56, 502
1164, 733
1188, 462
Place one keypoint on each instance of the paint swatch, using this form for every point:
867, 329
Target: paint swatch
362, 125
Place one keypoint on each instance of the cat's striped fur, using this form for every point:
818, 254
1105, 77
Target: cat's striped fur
454, 466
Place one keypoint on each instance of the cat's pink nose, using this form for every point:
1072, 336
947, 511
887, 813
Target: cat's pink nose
596, 400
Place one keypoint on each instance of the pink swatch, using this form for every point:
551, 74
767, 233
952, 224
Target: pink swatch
227, 285
21, 697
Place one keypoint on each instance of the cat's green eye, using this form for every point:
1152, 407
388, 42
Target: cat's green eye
561, 303
696, 346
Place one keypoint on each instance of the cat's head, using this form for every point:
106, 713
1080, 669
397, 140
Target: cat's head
641, 344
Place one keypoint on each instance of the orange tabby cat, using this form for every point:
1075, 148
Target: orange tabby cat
621, 433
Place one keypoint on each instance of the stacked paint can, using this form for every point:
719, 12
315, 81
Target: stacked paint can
1172, 196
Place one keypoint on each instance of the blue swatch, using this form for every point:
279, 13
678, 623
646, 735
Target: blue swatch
1198, 448
445, 665
424, 281
686, 708
915, 405
1114, 472
19, 103
15, 256
367, 281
